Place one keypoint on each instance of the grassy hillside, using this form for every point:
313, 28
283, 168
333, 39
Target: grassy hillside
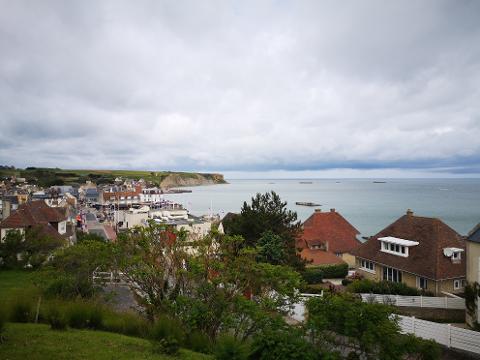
15, 282
37, 342
56, 176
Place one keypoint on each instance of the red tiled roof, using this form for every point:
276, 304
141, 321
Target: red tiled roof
116, 195
33, 213
329, 227
320, 257
427, 258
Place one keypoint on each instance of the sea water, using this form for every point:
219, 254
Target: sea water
367, 204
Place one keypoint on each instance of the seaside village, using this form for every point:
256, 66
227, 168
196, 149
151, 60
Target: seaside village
419, 251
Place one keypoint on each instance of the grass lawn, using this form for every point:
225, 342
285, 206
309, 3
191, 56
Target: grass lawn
32, 342
13, 282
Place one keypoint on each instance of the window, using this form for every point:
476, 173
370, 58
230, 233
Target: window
422, 283
395, 249
457, 256
457, 284
367, 265
391, 274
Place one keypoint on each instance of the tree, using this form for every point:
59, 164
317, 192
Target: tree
38, 247
272, 249
369, 330
214, 284
154, 259
10, 247
31, 248
72, 267
268, 215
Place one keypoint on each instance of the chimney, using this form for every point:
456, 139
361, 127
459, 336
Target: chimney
318, 210
409, 212
332, 210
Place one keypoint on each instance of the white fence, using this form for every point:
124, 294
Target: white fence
299, 310
444, 334
416, 301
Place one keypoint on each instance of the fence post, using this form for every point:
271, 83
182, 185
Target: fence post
449, 328
396, 299
421, 301
446, 302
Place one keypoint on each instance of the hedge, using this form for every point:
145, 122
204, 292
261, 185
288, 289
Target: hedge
315, 275
384, 287
334, 271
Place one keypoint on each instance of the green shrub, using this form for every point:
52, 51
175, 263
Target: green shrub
423, 349
334, 271
95, 320
313, 275
85, 315
382, 287
68, 287
126, 323
285, 343
168, 345
56, 319
3, 320
22, 311
199, 342
166, 327
228, 348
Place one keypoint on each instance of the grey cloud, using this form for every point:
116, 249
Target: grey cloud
240, 85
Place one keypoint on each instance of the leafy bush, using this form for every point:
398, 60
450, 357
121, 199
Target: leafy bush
168, 345
382, 287
56, 319
424, 349
69, 287
228, 348
334, 271
166, 327
282, 344
346, 282
22, 311
199, 342
313, 275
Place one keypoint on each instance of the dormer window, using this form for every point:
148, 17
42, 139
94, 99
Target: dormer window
455, 254
396, 246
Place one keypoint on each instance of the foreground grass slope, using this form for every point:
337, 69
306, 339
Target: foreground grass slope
38, 342
15, 282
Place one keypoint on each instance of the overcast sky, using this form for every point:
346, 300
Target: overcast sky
265, 87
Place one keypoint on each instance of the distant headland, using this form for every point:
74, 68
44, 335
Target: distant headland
163, 179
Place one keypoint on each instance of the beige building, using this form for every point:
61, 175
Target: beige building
421, 252
473, 271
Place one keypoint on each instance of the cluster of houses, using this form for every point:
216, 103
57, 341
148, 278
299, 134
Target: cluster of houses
421, 252
102, 210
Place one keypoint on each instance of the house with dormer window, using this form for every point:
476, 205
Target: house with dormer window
421, 252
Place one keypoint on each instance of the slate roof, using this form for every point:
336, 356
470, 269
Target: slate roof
331, 227
427, 258
33, 213
474, 235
